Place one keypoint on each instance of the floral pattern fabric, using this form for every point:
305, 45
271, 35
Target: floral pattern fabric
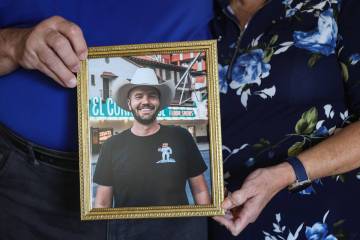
288, 81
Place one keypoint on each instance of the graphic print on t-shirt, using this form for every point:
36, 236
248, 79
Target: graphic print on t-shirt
166, 151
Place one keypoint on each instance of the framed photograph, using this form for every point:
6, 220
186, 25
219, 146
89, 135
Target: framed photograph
149, 131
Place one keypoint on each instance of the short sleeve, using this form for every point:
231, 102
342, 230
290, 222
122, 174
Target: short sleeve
195, 164
349, 52
103, 170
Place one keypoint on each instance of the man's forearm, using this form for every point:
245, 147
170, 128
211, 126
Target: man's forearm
99, 204
104, 195
202, 197
199, 190
9, 42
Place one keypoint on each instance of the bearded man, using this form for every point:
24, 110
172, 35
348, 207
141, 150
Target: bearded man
131, 169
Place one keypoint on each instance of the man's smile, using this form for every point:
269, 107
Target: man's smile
146, 109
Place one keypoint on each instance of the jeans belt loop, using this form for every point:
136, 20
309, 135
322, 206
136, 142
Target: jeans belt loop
32, 154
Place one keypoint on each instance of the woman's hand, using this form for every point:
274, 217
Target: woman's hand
245, 205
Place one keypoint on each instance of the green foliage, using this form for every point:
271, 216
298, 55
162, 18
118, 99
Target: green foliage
344, 71
268, 54
295, 149
274, 39
263, 143
338, 223
339, 232
301, 126
313, 59
307, 122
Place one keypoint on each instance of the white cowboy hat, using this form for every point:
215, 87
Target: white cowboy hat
144, 77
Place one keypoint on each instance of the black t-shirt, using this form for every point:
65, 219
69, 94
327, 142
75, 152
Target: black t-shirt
149, 170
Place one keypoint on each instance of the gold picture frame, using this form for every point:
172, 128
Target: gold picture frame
99, 117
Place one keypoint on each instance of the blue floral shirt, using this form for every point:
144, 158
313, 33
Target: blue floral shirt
287, 82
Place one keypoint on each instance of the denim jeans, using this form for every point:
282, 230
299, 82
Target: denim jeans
159, 229
40, 200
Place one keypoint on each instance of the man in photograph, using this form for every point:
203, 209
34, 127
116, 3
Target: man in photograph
148, 164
